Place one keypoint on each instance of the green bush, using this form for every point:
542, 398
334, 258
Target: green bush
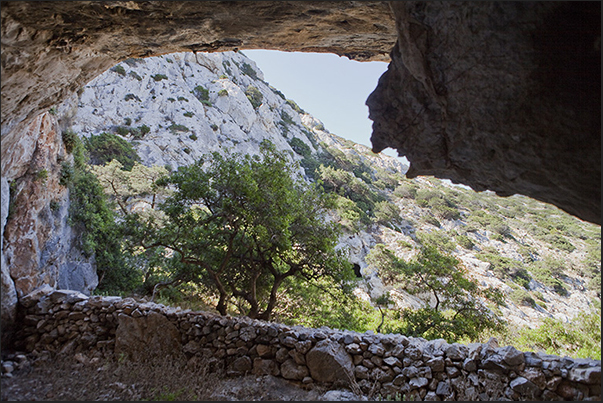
159, 77
193, 137
549, 272
406, 191
41, 175
201, 93
67, 174
254, 96
119, 69
465, 242
300, 147
69, 140
106, 147
222, 93
294, 106
177, 128
522, 297
131, 96
182, 99
248, 70
214, 127
135, 75
288, 120
189, 114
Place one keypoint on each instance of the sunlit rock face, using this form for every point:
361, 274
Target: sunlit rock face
499, 96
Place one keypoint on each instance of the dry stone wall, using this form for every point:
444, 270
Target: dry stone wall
68, 322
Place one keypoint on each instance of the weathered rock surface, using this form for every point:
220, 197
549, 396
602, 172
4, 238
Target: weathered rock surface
500, 96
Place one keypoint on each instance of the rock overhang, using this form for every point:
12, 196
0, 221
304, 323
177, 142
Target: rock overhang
500, 96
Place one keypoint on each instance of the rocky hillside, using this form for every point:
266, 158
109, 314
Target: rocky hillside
178, 107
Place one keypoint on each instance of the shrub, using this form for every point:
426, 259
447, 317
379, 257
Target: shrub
135, 75
254, 96
465, 242
171, 99
294, 106
286, 118
277, 92
214, 127
248, 70
128, 121
182, 99
69, 139
522, 297
159, 77
202, 94
429, 219
187, 150
223, 76
222, 93
193, 137
119, 69
67, 174
41, 175
131, 96
177, 128
106, 147
406, 191
188, 114
300, 147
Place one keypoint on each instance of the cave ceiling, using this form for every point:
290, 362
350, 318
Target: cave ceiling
504, 96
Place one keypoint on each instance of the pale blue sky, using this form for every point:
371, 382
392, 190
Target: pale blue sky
331, 88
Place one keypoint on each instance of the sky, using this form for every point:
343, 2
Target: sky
331, 88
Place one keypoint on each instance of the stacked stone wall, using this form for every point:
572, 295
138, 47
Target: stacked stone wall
68, 322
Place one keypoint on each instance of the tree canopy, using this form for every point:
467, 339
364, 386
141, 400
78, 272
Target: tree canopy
241, 225
454, 306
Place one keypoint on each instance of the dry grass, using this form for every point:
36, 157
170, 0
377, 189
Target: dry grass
79, 379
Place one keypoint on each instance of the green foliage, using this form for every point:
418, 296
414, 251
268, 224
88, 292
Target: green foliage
242, 225
503, 267
93, 217
159, 77
214, 127
70, 139
135, 75
105, 147
387, 213
323, 302
406, 190
522, 297
549, 272
436, 239
465, 241
248, 70
430, 219
119, 69
182, 99
580, 338
202, 94
177, 128
349, 186
254, 96
300, 147
193, 137
189, 114
294, 106
131, 96
277, 92
128, 121
457, 311
222, 93
67, 174
171, 99
286, 118
41, 175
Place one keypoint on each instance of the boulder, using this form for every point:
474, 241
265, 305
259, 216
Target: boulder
152, 335
329, 362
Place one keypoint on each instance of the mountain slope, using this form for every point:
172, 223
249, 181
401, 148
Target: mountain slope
176, 108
